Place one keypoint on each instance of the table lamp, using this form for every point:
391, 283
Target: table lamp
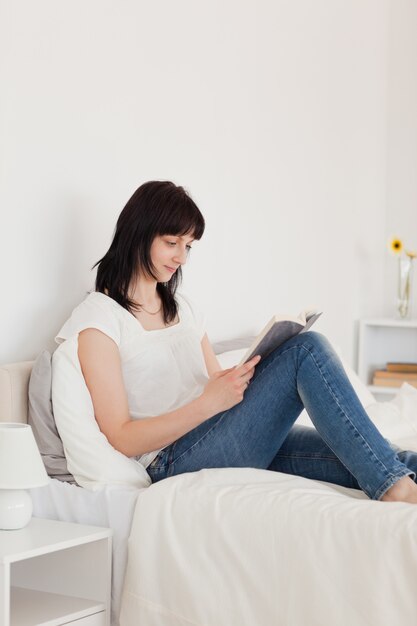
21, 468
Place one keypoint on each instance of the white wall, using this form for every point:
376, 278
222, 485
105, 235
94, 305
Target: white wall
272, 113
401, 141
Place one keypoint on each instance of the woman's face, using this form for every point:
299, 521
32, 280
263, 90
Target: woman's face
168, 252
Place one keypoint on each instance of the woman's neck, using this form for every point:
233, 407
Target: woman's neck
144, 292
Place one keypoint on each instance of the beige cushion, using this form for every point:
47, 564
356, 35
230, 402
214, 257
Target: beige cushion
14, 383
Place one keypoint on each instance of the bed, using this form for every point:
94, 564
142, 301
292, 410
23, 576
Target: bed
245, 547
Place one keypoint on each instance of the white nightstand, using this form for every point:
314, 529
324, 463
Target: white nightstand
382, 340
55, 573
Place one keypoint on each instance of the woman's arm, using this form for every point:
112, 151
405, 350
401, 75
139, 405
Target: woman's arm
210, 358
100, 364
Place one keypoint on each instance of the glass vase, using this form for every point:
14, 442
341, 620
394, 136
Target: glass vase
404, 286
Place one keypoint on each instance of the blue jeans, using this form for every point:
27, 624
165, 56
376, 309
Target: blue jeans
344, 448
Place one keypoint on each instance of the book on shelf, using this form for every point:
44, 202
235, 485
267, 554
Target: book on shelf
384, 374
278, 330
396, 366
386, 378
392, 382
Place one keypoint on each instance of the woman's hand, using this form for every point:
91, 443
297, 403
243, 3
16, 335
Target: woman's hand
226, 388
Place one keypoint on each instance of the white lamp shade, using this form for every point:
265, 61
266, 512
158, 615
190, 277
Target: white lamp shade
21, 465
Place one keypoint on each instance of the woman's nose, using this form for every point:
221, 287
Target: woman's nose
181, 257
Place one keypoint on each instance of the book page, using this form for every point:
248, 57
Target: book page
312, 317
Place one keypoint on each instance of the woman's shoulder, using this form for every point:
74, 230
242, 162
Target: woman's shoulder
98, 303
96, 311
103, 301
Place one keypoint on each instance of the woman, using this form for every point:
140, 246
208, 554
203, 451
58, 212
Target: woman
148, 378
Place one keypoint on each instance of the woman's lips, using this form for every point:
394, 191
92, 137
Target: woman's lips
171, 269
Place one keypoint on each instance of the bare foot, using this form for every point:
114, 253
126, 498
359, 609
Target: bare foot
404, 490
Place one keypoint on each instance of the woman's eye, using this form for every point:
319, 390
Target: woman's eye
174, 243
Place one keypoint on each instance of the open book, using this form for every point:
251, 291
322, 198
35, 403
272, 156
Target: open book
278, 330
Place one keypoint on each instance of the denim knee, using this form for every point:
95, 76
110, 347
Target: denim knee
313, 339
296, 350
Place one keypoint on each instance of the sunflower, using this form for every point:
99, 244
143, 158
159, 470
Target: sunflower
396, 245
411, 254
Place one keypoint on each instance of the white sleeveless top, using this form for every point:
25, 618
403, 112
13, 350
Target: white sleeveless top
162, 369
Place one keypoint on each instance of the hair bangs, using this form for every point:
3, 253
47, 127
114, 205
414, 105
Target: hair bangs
182, 218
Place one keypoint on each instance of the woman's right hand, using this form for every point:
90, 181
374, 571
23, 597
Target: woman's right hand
226, 388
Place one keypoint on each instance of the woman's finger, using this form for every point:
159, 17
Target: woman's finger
222, 372
247, 375
248, 365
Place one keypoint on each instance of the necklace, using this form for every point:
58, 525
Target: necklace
149, 312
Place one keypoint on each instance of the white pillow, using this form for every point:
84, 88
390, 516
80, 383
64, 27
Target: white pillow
91, 459
397, 419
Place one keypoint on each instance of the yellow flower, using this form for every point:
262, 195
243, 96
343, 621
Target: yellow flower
396, 245
411, 254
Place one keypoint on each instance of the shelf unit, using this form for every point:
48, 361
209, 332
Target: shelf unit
54, 573
382, 340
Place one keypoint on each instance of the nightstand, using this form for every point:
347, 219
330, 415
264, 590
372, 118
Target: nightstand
54, 573
382, 340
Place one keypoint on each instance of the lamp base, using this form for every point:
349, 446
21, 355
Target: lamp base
15, 509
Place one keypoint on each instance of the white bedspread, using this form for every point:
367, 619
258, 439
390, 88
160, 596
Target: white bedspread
245, 547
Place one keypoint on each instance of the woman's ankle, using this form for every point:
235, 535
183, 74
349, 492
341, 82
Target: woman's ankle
404, 490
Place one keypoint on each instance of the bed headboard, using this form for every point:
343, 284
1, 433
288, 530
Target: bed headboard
14, 383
